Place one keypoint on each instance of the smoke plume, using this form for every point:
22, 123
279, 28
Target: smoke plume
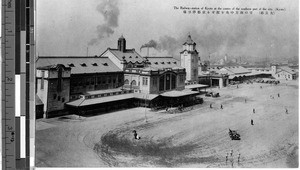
150, 44
243, 36
110, 12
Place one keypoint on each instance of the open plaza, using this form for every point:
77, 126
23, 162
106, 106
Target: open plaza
197, 136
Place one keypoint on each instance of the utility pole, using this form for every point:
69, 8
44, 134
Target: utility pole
87, 50
210, 81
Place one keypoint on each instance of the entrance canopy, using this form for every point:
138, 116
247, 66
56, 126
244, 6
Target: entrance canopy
93, 101
175, 93
87, 102
193, 86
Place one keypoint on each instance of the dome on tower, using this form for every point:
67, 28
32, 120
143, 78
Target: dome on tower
121, 37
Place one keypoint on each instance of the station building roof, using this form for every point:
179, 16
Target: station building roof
79, 64
130, 55
164, 62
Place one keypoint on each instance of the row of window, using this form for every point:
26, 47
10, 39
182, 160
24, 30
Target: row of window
145, 80
92, 81
285, 76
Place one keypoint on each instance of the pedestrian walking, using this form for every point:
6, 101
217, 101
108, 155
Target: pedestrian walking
237, 86
286, 111
136, 136
245, 100
210, 105
231, 152
253, 111
239, 158
226, 158
278, 95
261, 87
221, 106
252, 122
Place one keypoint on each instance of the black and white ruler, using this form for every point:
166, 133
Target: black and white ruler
17, 82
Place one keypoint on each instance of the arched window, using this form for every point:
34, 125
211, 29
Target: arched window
162, 83
126, 81
133, 83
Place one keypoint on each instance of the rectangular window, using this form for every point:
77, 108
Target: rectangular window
54, 96
58, 98
145, 81
59, 82
42, 80
99, 80
154, 81
181, 78
62, 99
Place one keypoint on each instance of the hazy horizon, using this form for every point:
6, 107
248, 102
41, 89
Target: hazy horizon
68, 27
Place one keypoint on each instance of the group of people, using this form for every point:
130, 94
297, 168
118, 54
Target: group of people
231, 158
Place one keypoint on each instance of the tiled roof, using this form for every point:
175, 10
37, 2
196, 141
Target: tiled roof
164, 62
289, 70
79, 64
54, 66
129, 55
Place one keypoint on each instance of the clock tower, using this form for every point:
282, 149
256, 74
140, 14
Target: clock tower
189, 59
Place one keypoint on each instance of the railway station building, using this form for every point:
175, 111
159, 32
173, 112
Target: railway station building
118, 78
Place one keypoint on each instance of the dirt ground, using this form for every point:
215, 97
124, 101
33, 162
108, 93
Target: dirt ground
195, 138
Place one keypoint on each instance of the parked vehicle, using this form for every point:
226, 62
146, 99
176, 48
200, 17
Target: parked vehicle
215, 95
209, 94
234, 135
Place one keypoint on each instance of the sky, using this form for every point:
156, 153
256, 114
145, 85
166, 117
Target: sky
76, 27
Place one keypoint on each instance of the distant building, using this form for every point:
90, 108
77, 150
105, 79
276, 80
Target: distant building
238, 73
189, 60
284, 72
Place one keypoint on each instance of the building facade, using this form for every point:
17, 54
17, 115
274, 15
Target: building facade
284, 73
64, 79
53, 86
118, 78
